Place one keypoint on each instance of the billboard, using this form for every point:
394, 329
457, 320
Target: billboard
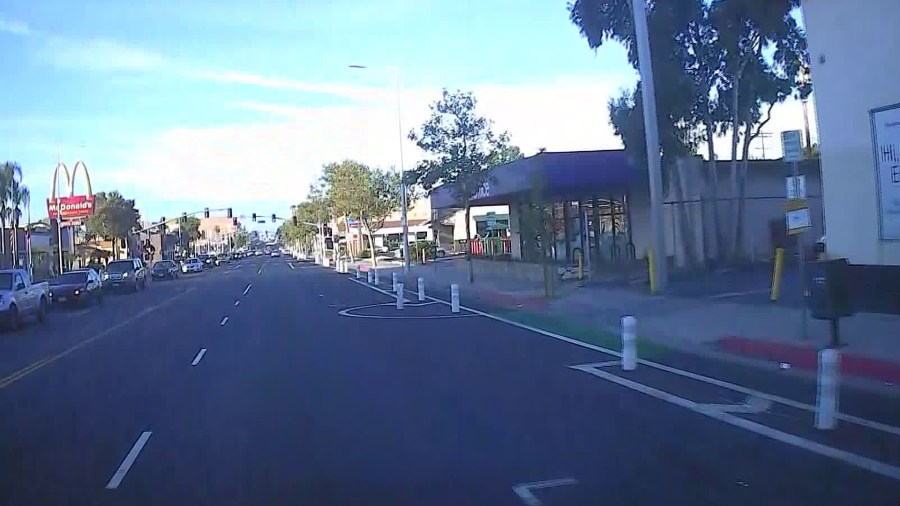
71, 206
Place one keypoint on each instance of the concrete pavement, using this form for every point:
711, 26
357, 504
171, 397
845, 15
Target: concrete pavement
293, 403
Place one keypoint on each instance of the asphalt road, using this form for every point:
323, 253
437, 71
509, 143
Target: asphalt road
314, 389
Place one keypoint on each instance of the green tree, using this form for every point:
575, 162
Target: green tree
19, 199
460, 148
190, 231
381, 199
241, 239
114, 218
10, 172
346, 185
717, 65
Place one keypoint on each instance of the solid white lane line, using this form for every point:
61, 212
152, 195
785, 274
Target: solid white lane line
199, 356
248, 288
224, 321
853, 459
871, 424
126, 464
524, 490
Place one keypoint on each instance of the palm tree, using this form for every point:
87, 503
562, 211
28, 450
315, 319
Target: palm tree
9, 171
19, 199
218, 230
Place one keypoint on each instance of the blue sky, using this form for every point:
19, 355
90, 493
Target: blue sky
190, 104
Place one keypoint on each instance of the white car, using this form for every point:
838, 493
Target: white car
276, 254
192, 265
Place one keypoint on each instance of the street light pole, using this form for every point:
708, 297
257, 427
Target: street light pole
404, 222
648, 94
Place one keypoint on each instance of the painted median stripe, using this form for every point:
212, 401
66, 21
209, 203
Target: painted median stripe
199, 357
126, 464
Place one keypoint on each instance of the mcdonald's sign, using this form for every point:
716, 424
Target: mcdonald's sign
70, 206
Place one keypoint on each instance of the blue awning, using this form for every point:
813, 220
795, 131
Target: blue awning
552, 176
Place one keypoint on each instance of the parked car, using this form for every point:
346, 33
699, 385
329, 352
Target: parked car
192, 265
164, 269
20, 298
79, 287
129, 274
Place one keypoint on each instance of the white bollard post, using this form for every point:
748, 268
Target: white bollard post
377, 281
454, 298
399, 295
394, 281
629, 343
358, 272
828, 389
370, 277
421, 283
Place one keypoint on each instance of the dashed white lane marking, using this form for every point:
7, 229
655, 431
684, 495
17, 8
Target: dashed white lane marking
249, 285
223, 322
524, 490
259, 272
126, 464
237, 303
199, 356
291, 266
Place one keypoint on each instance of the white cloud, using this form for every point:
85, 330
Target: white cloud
279, 83
98, 55
277, 158
13, 26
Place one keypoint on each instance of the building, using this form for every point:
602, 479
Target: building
216, 233
854, 67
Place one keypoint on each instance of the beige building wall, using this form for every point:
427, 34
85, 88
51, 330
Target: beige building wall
854, 48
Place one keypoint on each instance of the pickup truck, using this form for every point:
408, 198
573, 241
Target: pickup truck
20, 298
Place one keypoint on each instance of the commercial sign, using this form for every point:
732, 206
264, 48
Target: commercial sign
886, 141
71, 206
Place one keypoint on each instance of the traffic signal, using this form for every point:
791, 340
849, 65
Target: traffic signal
273, 217
254, 217
206, 212
229, 212
184, 217
234, 221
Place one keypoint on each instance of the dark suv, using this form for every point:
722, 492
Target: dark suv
128, 274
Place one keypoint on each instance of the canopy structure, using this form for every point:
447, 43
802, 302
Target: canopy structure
551, 176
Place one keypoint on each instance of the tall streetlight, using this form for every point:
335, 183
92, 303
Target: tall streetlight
648, 94
403, 221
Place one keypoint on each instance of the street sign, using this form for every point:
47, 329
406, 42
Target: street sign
491, 220
796, 186
797, 216
792, 145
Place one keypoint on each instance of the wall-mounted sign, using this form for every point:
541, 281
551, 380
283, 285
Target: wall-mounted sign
886, 142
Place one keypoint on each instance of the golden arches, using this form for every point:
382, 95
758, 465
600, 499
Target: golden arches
70, 179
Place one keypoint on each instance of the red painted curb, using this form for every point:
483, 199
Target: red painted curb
806, 358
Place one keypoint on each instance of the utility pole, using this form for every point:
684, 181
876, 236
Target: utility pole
651, 127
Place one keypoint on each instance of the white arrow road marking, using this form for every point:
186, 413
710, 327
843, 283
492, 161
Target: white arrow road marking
224, 321
126, 464
524, 490
752, 406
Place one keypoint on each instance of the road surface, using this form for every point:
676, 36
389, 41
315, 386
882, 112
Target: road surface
271, 381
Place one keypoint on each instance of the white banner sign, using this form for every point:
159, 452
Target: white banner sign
886, 130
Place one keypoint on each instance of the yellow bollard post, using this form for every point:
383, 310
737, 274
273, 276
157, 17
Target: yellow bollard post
651, 262
776, 274
580, 268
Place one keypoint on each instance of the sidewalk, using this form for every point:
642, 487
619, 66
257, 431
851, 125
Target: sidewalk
764, 334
